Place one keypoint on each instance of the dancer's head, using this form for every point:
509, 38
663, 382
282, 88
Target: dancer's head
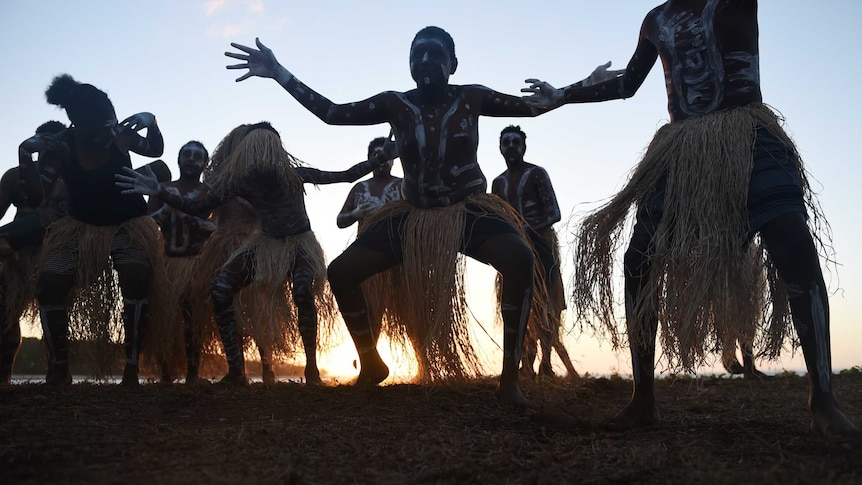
88, 108
192, 159
513, 143
432, 57
50, 128
376, 145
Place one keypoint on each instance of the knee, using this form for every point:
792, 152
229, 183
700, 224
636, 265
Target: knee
303, 297
520, 258
222, 292
339, 274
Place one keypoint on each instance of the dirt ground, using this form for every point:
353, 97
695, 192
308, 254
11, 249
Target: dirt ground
714, 430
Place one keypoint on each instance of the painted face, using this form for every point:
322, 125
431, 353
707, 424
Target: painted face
192, 160
383, 169
512, 146
431, 62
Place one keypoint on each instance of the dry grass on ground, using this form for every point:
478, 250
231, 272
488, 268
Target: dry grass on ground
714, 430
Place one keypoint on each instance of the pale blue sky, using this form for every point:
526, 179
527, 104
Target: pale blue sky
167, 57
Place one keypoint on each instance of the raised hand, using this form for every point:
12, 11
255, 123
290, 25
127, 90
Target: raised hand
138, 122
260, 62
601, 74
543, 94
41, 142
133, 182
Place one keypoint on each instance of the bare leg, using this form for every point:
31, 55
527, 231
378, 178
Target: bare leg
791, 247
267, 373
10, 342
510, 255
346, 273
748, 368
731, 363
546, 340
564, 356
51, 292
641, 410
133, 271
192, 344
528, 359
236, 274
303, 298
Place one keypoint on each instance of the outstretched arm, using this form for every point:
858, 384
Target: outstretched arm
146, 183
497, 104
261, 62
151, 146
354, 173
602, 84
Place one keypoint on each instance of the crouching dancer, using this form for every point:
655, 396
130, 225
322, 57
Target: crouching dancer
263, 173
445, 212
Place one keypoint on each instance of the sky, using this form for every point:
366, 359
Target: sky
167, 57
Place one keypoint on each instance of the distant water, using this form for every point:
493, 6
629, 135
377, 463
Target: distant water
77, 379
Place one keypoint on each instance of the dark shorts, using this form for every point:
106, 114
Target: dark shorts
775, 188
479, 226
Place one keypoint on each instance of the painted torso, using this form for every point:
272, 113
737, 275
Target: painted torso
528, 190
184, 234
709, 50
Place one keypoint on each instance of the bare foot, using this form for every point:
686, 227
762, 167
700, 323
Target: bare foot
830, 422
268, 375
734, 368
510, 393
234, 377
372, 371
312, 377
58, 375
545, 370
130, 376
753, 373
635, 416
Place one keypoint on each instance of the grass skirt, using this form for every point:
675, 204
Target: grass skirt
180, 272
276, 325
423, 302
19, 273
95, 305
709, 285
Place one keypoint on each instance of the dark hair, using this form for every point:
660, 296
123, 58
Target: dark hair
51, 127
514, 129
199, 144
377, 142
85, 104
439, 34
263, 125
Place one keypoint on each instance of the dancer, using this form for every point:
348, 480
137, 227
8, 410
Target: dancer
445, 211
722, 171
104, 231
184, 237
271, 180
18, 264
528, 189
369, 195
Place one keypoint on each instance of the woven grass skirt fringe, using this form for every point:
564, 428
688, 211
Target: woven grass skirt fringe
709, 284
19, 272
95, 305
423, 301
